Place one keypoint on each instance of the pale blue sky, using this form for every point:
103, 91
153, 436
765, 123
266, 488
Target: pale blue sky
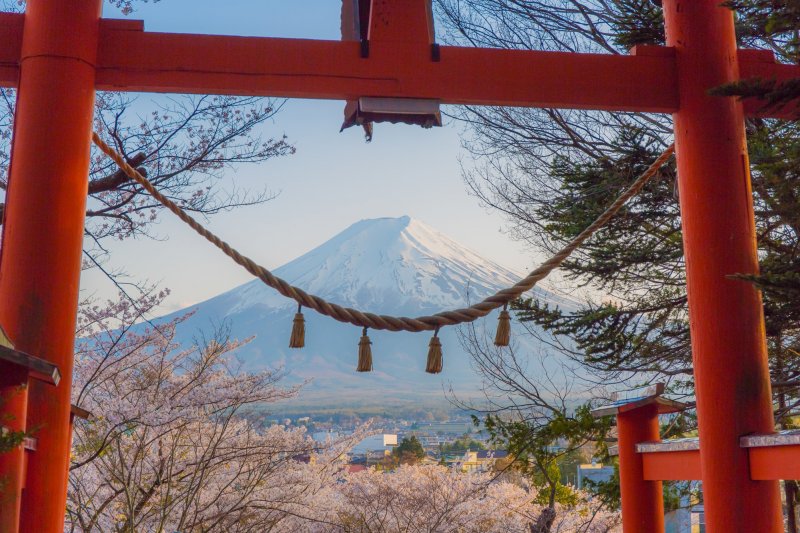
333, 180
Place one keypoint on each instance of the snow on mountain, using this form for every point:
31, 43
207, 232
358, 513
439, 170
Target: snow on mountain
387, 265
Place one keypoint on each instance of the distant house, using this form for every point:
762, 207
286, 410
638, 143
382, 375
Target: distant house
482, 460
594, 472
698, 519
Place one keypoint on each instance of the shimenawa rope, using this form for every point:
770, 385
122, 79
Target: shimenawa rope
386, 322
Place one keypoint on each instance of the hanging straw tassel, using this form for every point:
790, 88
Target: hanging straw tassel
503, 335
298, 338
364, 353
434, 354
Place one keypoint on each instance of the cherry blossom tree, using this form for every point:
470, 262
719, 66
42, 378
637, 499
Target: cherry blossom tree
183, 143
435, 498
167, 448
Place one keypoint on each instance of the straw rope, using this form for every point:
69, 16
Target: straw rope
386, 322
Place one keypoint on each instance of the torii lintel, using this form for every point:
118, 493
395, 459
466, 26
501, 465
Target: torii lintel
131, 59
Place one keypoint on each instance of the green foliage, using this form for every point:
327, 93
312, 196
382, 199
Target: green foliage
461, 445
638, 258
608, 491
637, 22
539, 449
10, 440
673, 494
774, 94
777, 20
563, 494
409, 451
569, 462
774, 155
682, 424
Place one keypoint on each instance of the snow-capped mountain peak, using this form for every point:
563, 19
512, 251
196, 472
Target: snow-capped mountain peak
388, 265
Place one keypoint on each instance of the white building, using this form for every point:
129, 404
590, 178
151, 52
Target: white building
384, 442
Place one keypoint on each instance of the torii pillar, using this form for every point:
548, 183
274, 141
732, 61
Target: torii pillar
43, 236
726, 316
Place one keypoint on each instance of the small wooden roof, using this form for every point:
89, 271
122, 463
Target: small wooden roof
629, 400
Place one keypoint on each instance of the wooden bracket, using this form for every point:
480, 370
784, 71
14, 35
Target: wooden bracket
37, 368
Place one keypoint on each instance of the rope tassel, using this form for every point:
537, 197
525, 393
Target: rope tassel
298, 338
434, 354
364, 353
503, 335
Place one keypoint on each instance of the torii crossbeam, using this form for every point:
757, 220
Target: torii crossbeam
61, 51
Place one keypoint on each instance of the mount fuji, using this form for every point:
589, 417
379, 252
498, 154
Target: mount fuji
397, 266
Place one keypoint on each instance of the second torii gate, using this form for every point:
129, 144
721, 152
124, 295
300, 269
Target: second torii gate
61, 51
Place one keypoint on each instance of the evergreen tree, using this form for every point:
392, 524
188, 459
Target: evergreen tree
409, 451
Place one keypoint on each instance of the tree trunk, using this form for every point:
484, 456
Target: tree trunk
790, 489
545, 521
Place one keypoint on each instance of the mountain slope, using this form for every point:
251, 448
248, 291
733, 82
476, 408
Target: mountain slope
390, 266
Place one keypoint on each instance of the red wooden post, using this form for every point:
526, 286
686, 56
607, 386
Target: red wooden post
726, 316
637, 422
13, 403
642, 501
43, 229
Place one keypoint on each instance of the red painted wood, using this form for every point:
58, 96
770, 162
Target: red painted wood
10, 48
761, 64
642, 499
401, 21
766, 463
43, 230
672, 466
726, 316
775, 462
132, 60
14, 402
299, 68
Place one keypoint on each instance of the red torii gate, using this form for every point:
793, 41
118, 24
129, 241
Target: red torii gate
61, 51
